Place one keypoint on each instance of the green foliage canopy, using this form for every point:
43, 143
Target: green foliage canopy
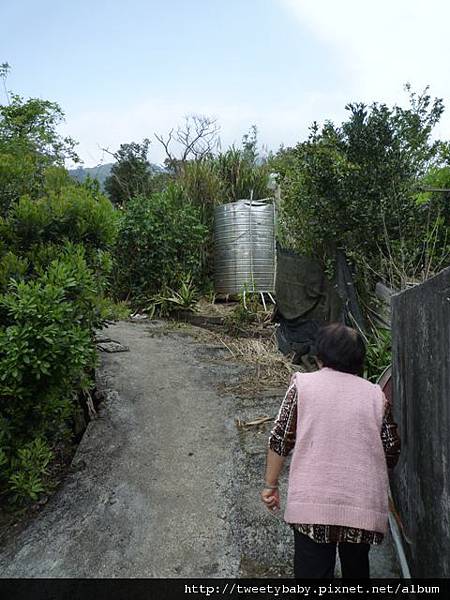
158, 243
354, 188
132, 174
29, 145
55, 239
54, 269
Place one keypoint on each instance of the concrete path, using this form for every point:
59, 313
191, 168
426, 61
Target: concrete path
162, 484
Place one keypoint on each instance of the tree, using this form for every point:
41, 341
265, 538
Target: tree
197, 139
4, 70
32, 125
354, 188
132, 175
159, 243
29, 145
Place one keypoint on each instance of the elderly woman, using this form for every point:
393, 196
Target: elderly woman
340, 430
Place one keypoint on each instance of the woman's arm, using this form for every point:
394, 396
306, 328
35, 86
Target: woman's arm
281, 442
270, 494
274, 464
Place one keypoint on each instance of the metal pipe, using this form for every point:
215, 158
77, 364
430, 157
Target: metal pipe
397, 535
263, 301
398, 543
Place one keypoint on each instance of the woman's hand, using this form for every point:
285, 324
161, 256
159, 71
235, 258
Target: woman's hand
270, 494
271, 499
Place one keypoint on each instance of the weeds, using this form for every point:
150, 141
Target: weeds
378, 353
246, 314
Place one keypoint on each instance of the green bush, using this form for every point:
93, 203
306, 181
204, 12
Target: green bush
168, 302
46, 357
73, 214
28, 467
55, 266
29, 146
18, 175
12, 267
354, 188
159, 243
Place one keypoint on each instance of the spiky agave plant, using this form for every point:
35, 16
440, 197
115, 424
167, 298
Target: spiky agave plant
169, 301
185, 298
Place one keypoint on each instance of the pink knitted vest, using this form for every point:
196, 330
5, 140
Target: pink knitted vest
338, 473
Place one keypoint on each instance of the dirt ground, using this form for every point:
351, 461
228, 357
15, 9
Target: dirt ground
164, 482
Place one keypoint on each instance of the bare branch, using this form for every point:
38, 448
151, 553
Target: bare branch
108, 151
197, 138
166, 144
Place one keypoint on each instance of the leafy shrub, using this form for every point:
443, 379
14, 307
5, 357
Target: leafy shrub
73, 214
12, 267
46, 353
354, 188
54, 272
55, 241
159, 242
186, 296
29, 146
17, 175
28, 467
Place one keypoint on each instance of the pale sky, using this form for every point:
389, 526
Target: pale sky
124, 70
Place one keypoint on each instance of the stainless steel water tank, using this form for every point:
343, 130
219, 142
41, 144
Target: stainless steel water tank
244, 247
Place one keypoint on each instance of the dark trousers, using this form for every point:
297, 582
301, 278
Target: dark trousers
317, 561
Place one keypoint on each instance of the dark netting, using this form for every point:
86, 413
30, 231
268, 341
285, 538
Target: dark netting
306, 299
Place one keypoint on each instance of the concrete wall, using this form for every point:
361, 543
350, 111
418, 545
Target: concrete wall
421, 371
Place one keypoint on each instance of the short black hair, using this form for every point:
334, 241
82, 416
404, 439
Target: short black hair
341, 348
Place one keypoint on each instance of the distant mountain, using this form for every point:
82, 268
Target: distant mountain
102, 172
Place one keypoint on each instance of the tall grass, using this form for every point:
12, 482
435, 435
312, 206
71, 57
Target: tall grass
232, 175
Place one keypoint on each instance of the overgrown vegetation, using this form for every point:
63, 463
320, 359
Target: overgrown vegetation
55, 268
245, 315
55, 262
29, 145
357, 187
170, 302
378, 353
370, 188
166, 235
132, 174
158, 244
